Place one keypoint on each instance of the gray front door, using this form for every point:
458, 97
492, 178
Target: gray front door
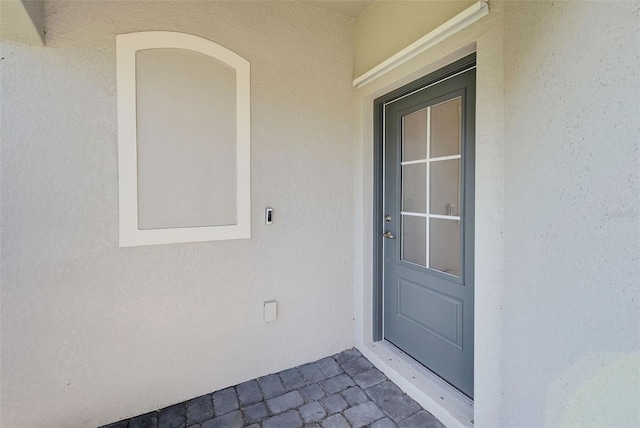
428, 225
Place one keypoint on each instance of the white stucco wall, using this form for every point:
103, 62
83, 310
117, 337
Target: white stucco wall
572, 214
93, 333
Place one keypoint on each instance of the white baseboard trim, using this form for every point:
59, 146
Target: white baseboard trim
436, 396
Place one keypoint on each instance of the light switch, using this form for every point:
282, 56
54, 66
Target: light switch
270, 311
268, 215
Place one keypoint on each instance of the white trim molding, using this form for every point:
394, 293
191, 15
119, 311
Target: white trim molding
462, 20
127, 45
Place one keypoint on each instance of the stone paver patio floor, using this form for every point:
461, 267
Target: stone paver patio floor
344, 390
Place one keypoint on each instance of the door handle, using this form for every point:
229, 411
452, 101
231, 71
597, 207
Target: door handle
388, 235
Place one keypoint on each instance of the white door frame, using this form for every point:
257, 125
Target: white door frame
453, 409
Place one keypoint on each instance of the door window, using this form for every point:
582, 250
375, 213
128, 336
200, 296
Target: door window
431, 187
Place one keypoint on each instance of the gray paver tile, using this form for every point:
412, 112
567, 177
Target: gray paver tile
337, 383
291, 379
249, 393
356, 366
343, 391
290, 419
148, 420
285, 402
348, 355
329, 367
383, 391
199, 409
225, 401
354, 395
312, 412
228, 420
312, 392
334, 403
120, 424
384, 423
369, 378
335, 421
255, 412
173, 416
399, 408
421, 419
311, 373
363, 414
271, 386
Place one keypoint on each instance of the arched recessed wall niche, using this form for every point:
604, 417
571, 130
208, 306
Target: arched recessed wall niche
183, 140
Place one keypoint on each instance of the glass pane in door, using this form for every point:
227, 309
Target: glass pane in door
444, 245
414, 188
414, 136
430, 186
444, 187
413, 238
446, 127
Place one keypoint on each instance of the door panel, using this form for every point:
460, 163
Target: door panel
428, 253
431, 310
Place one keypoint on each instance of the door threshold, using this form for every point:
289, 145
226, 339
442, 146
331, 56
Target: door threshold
450, 406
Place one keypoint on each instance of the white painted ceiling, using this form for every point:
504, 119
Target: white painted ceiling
348, 8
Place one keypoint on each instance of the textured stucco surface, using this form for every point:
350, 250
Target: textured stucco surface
93, 333
557, 210
388, 26
572, 210
22, 21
